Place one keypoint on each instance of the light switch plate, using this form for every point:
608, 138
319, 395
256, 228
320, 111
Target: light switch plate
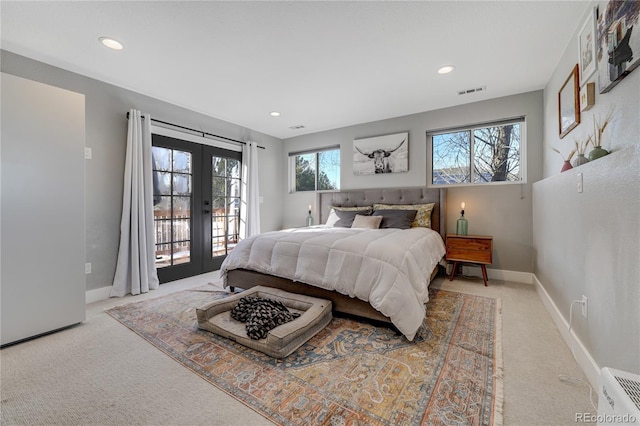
579, 182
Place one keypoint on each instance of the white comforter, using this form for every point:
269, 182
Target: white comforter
389, 268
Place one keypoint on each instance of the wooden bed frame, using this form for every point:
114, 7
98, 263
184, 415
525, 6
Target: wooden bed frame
246, 279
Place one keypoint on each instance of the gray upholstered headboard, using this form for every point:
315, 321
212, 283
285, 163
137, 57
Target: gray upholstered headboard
368, 197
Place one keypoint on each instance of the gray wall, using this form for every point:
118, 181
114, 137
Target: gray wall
589, 243
503, 211
106, 134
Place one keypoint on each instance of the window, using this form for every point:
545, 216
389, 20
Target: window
480, 154
315, 170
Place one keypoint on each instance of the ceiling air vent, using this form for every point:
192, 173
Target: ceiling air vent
298, 127
474, 90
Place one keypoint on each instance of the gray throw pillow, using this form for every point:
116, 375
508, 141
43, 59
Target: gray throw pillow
346, 217
400, 219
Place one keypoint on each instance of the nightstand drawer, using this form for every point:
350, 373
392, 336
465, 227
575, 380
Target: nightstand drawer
469, 243
476, 249
474, 256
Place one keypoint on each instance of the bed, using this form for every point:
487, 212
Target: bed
397, 296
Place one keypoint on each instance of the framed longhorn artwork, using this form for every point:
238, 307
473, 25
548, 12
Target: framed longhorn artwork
381, 154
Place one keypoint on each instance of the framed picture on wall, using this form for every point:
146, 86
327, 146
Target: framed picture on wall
587, 46
618, 43
381, 154
569, 104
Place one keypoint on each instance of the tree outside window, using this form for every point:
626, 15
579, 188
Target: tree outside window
317, 170
478, 155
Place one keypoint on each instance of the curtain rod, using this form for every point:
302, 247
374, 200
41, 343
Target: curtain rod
199, 131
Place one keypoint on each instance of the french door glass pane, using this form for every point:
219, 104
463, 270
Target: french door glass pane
182, 162
181, 252
161, 158
163, 234
162, 183
181, 184
219, 204
225, 199
163, 255
233, 168
218, 246
172, 195
182, 206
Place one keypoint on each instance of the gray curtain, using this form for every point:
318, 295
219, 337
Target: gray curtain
250, 210
135, 270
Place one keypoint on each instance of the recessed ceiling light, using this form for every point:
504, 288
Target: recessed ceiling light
274, 114
446, 69
111, 43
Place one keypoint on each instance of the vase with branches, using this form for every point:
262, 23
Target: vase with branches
598, 129
566, 161
581, 148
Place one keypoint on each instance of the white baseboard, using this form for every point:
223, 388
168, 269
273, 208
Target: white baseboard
583, 357
515, 276
499, 274
97, 294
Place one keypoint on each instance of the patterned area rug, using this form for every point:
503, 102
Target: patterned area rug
352, 372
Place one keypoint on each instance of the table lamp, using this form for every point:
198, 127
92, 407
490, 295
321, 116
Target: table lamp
309, 217
462, 225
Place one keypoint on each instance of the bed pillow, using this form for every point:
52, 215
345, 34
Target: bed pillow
423, 217
401, 219
346, 217
367, 222
334, 218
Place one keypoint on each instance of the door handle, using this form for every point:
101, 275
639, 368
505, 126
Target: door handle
205, 211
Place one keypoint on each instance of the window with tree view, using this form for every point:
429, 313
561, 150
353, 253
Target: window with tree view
315, 170
481, 154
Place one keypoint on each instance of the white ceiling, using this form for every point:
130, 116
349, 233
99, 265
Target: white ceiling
323, 64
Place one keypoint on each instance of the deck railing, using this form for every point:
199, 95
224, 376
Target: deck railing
181, 229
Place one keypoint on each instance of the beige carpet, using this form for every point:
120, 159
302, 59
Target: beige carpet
101, 373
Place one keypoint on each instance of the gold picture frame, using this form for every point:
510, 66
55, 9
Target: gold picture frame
569, 104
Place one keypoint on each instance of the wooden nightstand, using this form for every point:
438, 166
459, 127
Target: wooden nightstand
470, 249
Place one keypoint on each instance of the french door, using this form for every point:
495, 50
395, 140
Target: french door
196, 206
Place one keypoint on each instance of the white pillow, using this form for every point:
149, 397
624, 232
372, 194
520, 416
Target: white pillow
368, 222
332, 219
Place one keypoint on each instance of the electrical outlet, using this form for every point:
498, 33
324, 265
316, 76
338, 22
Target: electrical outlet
87, 268
584, 306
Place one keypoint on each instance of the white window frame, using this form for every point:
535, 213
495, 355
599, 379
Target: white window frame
523, 151
292, 166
